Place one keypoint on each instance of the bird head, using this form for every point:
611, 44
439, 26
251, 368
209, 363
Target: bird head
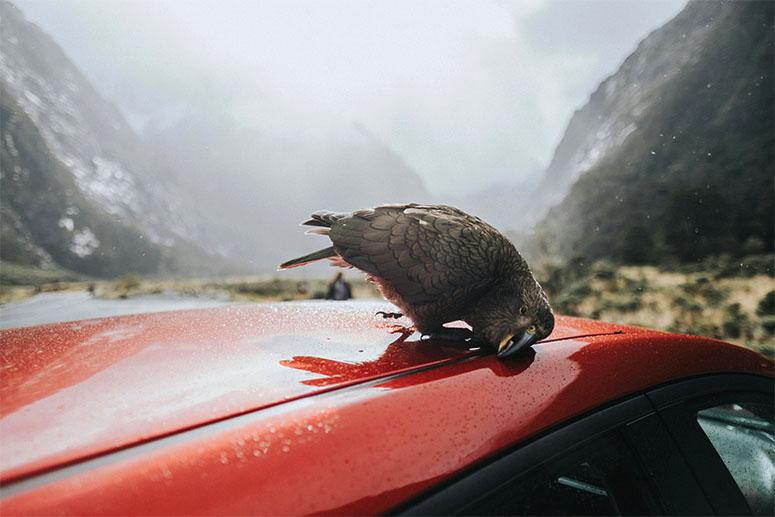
514, 318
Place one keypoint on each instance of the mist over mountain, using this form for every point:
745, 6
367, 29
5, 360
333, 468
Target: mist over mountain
468, 93
673, 154
253, 187
505, 205
204, 192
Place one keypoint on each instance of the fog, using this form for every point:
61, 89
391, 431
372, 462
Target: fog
467, 94
152, 151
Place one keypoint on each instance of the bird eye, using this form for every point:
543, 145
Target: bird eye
523, 309
532, 329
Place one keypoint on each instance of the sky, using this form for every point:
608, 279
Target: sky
469, 93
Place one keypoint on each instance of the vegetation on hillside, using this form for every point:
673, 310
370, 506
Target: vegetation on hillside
695, 177
720, 297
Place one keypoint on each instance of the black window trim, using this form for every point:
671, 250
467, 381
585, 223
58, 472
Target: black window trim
713, 384
678, 405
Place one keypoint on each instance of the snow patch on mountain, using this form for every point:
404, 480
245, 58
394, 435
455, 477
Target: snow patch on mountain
84, 242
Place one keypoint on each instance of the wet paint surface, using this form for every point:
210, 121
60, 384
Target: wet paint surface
359, 450
75, 389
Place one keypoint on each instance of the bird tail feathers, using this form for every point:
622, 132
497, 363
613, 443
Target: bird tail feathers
312, 257
323, 218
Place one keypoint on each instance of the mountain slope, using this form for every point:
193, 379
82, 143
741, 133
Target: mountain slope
46, 220
686, 167
86, 134
616, 106
88, 156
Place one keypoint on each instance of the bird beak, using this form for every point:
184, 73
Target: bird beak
512, 344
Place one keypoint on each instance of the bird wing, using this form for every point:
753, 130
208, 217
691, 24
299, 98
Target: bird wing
423, 251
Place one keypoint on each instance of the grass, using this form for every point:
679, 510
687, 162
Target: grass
18, 282
738, 309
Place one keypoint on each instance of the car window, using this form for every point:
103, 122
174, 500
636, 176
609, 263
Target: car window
742, 434
601, 478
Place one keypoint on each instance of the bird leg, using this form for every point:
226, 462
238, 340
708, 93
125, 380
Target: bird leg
451, 334
386, 315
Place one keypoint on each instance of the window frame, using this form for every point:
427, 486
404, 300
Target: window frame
678, 405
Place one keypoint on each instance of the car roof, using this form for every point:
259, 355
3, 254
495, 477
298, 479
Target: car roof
79, 390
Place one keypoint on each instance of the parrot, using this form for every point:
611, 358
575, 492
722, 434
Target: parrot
438, 264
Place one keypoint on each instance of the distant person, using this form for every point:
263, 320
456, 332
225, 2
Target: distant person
339, 289
302, 288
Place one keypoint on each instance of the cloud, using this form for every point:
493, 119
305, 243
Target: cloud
469, 93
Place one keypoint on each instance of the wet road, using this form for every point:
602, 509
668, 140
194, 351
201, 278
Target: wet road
69, 306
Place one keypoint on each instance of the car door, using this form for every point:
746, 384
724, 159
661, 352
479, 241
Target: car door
723, 425
591, 466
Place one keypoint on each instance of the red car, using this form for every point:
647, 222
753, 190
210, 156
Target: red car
321, 407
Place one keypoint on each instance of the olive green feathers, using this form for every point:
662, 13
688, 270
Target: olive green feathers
436, 263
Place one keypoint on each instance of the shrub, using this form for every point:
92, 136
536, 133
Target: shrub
766, 312
704, 287
736, 323
766, 305
686, 304
604, 270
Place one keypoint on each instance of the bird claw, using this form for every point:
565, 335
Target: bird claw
389, 315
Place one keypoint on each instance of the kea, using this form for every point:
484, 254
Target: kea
438, 264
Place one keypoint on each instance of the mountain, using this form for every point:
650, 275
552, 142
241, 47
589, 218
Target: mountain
88, 134
673, 154
46, 219
85, 177
253, 185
